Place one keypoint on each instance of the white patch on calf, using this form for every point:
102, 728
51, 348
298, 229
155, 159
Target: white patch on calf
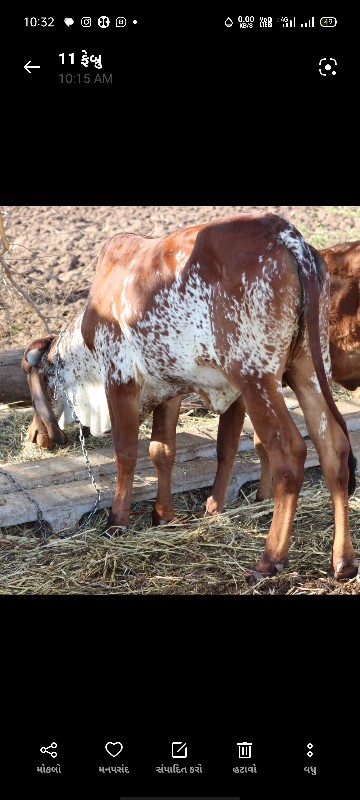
174, 346
112, 355
316, 383
126, 307
299, 248
258, 339
84, 383
174, 349
323, 425
181, 257
324, 325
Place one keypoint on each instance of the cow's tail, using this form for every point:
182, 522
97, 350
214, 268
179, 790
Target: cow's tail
312, 273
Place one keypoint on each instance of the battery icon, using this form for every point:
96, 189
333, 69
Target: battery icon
328, 22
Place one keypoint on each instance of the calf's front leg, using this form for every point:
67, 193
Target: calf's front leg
123, 401
162, 454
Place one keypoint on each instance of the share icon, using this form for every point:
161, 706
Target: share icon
49, 751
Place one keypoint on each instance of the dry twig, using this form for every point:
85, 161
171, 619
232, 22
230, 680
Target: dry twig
11, 279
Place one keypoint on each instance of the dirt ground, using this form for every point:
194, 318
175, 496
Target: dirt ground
54, 249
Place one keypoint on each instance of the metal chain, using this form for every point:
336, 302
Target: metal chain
40, 518
60, 382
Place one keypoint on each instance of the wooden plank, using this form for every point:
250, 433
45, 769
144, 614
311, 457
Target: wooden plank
198, 442
64, 507
62, 469
61, 487
13, 382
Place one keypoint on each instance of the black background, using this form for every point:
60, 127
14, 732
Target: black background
197, 114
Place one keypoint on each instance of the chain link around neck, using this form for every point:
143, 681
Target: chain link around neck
60, 383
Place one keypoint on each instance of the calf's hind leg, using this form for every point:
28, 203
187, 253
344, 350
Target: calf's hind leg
265, 489
230, 424
286, 450
333, 448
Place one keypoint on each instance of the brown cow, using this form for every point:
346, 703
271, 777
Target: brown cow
225, 310
343, 261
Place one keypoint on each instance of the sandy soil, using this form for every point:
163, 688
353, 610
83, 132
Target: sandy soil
54, 249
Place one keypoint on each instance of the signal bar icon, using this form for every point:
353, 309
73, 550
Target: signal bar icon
288, 23
310, 24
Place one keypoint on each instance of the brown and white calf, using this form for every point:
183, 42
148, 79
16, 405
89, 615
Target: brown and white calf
227, 310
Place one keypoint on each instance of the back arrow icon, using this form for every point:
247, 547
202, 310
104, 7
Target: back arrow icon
30, 66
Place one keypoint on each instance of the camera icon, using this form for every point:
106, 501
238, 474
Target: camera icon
86, 22
327, 66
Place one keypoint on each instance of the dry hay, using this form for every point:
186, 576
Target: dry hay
192, 555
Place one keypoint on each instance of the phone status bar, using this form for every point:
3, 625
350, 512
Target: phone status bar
121, 25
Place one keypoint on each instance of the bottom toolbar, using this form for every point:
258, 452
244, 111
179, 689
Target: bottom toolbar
116, 763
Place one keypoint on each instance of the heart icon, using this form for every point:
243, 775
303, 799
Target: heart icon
113, 748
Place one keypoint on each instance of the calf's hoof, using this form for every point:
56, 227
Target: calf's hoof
113, 531
264, 495
265, 569
345, 569
158, 521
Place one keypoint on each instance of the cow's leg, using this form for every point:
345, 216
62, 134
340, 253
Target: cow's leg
230, 425
333, 449
265, 489
162, 453
123, 402
286, 450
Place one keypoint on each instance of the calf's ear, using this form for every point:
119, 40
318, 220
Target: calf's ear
35, 350
33, 357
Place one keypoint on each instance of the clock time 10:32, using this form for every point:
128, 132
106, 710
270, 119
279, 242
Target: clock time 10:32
39, 22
